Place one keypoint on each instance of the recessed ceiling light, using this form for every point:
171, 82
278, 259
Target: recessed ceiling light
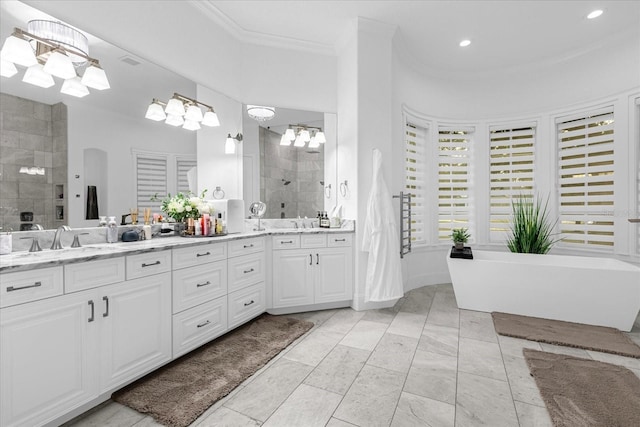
594, 14
465, 43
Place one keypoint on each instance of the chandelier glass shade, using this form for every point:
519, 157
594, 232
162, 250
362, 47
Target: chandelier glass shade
300, 135
52, 49
182, 111
261, 113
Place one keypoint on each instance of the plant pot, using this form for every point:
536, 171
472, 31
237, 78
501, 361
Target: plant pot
459, 245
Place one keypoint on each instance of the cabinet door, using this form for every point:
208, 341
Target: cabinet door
292, 278
333, 274
47, 355
136, 328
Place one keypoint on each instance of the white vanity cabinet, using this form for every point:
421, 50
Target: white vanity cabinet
246, 280
319, 271
61, 352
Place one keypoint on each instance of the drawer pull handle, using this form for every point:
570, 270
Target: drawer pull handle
150, 265
282, 242
106, 302
204, 324
18, 288
199, 285
248, 303
310, 259
248, 246
204, 254
339, 240
317, 259
93, 312
251, 270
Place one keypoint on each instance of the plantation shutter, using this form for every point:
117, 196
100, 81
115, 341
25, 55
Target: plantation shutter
511, 174
455, 204
586, 177
151, 179
637, 226
183, 166
415, 143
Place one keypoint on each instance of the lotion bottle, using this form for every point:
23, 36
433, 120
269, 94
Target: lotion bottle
112, 230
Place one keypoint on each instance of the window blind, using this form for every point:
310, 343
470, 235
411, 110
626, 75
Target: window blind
183, 166
586, 178
415, 165
151, 178
511, 156
455, 204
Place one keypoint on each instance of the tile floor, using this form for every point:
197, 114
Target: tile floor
422, 363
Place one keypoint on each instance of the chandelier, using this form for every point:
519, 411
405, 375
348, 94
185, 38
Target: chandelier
52, 49
182, 111
260, 112
300, 135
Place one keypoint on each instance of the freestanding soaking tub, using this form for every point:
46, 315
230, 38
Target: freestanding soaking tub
595, 291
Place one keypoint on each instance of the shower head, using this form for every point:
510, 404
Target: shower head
286, 182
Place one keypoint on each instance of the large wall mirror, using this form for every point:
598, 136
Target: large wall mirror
295, 180
73, 143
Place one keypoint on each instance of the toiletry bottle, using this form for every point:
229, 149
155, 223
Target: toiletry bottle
219, 224
112, 230
147, 232
205, 224
324, 221
197, 231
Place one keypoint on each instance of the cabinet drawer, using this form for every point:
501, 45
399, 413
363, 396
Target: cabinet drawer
92, 274
313, 241
199, 325
196, 255
339, 240
246, 246
195, 285
25, 286
291, 241
142, 265
245, 270
246, 304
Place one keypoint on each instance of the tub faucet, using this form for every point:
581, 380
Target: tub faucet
56, 239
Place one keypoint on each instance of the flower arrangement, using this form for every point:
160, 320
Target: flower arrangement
184, 205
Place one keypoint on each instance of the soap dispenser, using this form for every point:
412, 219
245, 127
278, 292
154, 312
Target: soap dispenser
112, 230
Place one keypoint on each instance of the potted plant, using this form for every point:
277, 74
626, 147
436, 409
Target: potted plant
531, 228
460, 236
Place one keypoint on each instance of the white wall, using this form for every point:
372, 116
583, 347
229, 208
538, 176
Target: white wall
215, 168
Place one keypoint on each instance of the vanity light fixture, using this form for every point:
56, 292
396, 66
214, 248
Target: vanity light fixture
300, 135
182, 111
261, 113
50, 49
230, 143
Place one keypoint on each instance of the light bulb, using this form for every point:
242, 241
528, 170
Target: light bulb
59, 65
290, 134
229, 145
35, 76
193, 113
320, 137
95, 78
191, 124
175, 107
18, 51
314, 142
284, 140
299, 141
305, 135
155, 112
74, 87
210, 119
174, 120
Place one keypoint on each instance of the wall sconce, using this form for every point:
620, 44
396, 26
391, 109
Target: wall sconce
182, 111
300, 135
230, 144
52, 49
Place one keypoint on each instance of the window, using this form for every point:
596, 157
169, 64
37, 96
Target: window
511, 174
586, 177
151, 179
455, 204
160, 174
415, 142
183, 166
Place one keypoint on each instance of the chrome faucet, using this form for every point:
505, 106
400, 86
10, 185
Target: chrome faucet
56, 239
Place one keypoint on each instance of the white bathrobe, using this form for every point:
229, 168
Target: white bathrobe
384, 273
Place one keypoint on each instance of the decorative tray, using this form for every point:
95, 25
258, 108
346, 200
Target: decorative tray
198, 237
461, 253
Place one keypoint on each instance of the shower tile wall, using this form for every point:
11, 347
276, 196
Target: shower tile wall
32, 134
290, 176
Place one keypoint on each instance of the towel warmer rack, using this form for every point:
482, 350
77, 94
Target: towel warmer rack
405, 223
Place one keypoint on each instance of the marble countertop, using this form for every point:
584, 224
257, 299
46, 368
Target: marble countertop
24, 261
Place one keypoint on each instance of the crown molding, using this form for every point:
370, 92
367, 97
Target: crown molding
257, 38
